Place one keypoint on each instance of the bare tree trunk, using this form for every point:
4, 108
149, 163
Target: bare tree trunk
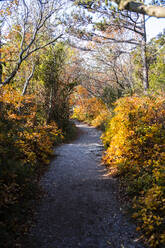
144, 57
50, 105
41, 13
28, 80
141, 8
131, 81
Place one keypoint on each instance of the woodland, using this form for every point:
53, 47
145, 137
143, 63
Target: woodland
91, 61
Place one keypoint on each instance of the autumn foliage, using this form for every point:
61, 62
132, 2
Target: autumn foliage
89, 109
134, 141
25, 147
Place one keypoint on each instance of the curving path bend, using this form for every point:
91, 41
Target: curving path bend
80, 208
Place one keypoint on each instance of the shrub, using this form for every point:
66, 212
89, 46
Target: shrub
93, 111
134, 140
25, 147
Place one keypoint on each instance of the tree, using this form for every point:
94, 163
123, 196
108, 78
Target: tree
105, 75
29, 25
58, 78
141, 8
113, 27
155, 62
133, 6
5, 9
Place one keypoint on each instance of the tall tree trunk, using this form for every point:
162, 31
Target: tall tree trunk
50, 105
130, 72
144, 56
28, 80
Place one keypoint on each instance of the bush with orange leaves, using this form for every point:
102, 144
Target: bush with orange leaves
134, 140
19, 126
90, 109
25, 147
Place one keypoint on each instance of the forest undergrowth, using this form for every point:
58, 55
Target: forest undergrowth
26, 147
93, 73
134, 138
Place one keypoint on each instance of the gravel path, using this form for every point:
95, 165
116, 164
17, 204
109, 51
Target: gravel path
80, 208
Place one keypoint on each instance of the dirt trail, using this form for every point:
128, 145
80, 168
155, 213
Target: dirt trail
80, 208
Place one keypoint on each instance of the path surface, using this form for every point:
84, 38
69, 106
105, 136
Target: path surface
80, 208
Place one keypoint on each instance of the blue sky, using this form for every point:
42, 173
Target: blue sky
154, 26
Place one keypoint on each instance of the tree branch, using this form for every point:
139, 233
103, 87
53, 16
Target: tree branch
157, 11
14, 72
